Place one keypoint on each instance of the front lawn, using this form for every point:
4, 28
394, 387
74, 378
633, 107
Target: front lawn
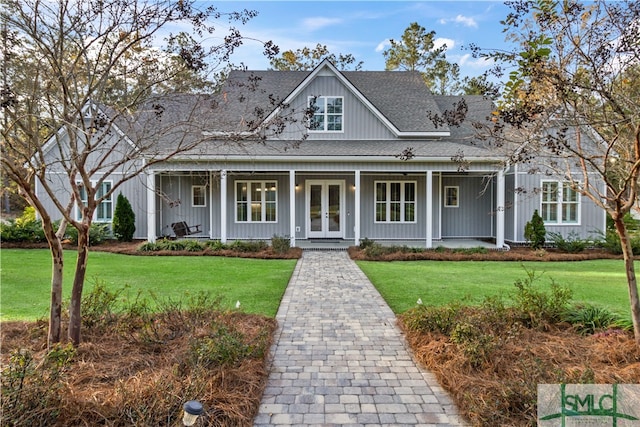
599, 282
25, 279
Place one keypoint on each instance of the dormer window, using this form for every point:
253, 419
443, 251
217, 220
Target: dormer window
328, 114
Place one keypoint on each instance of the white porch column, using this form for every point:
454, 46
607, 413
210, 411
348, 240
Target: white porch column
292, 207
500, 200
429, 208
211, 178
223, 206
151, 206
356, 209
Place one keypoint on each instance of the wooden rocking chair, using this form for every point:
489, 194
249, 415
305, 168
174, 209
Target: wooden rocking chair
182, 229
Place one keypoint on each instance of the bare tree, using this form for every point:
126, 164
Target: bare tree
571, 105
83, 107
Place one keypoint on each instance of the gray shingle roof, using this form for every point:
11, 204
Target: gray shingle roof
401, 97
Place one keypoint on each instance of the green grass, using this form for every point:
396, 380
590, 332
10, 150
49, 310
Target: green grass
600, 282
25, 279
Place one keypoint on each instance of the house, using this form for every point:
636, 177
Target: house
373, 159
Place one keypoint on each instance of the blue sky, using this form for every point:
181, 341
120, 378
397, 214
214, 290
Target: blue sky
363, 28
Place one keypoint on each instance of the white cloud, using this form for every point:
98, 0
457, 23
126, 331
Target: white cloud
383, 45
466, 21
441, 41
467, 60
461, 19
317, 23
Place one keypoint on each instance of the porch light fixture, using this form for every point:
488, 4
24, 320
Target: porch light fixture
192, 410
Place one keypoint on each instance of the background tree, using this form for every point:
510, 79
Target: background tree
416, 51
577, 71
69, 60
124, 220
306, 59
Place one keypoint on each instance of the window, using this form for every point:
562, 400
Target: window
199, 196
328, 114
560, 203
256, 201
104, 211
395, 201
451, 197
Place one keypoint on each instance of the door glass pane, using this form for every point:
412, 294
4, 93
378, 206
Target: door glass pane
334, 207
315, 207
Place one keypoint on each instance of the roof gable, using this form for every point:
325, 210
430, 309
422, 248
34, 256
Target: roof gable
399, 100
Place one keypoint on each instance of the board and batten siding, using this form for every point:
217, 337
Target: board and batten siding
174, 202
258, 230
592, 218
359, 123
474, 216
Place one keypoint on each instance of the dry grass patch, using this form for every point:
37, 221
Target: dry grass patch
138, 370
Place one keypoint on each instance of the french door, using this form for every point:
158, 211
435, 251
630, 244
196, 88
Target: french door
325, 209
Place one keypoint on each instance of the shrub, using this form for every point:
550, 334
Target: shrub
31, 388
98, 305
280, 245
148, 247
215, 245
98, 233
571, 244
589, 319
536, 307
124, 220
475, 344
471, 251
424, 318
611, 242
249, 246
225, 346
534, 231
366, 242
23, 229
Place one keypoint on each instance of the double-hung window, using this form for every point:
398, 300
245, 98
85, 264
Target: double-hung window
560, 203
328, 114
256, 201
104, 211
199, 196
395, 201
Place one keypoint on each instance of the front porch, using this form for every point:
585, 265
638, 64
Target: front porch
333, 209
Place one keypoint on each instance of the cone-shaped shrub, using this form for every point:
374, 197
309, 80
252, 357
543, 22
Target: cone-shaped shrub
534, 231
124, 220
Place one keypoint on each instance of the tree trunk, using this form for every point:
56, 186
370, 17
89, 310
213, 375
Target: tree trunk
627, 252
57, 258
75, 315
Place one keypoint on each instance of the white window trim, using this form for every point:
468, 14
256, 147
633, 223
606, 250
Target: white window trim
263, 202
560, 202
204, 192
95, 213
402, 201
446, 199
324, 99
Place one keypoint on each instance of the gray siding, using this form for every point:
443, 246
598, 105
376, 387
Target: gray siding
174, 202
592, 218
371, 229
359, 122
474, 217
262, 231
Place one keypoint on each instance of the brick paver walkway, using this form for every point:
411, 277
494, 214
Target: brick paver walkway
340, 359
